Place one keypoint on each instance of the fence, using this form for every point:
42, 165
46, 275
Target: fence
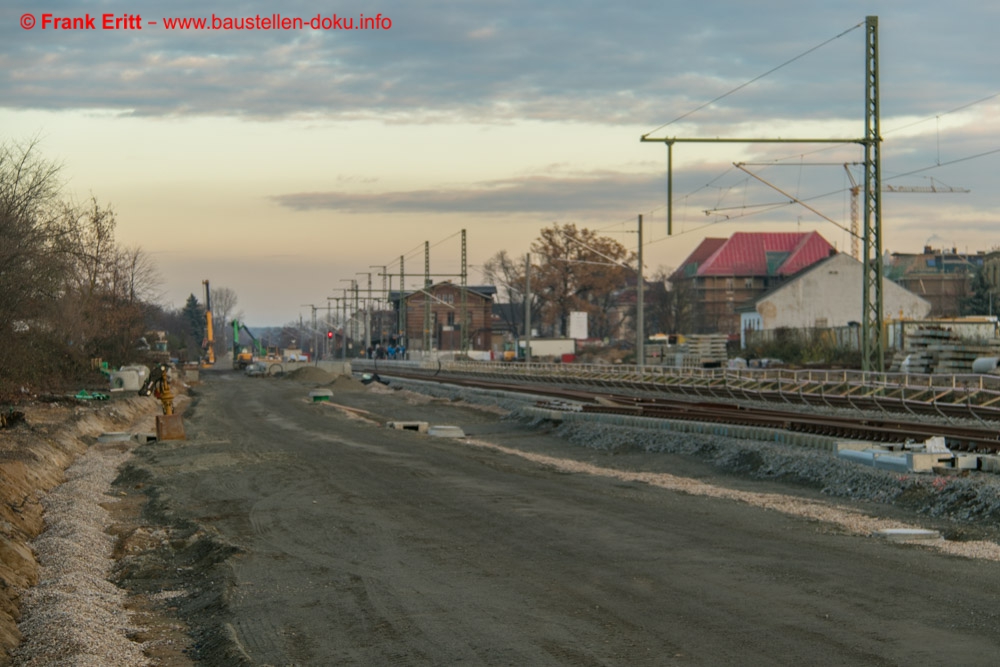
845, 338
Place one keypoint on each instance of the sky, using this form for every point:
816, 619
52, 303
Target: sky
285, 163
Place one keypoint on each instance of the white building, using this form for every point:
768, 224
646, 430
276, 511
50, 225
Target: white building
827, 294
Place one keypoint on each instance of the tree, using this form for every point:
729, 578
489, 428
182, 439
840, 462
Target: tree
68, 292
194, 316
580, 271
32, 265
224, 301
507, 274
982, 299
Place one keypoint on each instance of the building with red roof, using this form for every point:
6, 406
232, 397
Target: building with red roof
724, 274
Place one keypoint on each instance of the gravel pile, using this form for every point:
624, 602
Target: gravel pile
75, 616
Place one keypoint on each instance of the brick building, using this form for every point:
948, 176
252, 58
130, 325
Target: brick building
441, 306
725, 274
942, 276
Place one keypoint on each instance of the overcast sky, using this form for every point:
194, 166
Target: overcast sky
283, 163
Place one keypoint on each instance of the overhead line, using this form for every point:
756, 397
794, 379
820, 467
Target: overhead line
754, 80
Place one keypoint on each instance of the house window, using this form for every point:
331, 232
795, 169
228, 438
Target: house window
451, 319
748, 283
729, 284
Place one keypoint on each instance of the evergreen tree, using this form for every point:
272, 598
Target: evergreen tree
194, 315
980, 302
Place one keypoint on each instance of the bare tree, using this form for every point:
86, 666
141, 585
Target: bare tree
224, 300
507, 274
68, 292
579, 271
31, 264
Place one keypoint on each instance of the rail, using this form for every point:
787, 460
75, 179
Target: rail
947, 396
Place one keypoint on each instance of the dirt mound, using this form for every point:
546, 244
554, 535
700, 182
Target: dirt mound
309, 374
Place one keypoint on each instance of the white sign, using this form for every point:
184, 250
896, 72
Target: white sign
578, 325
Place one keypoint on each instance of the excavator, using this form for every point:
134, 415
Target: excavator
243, 357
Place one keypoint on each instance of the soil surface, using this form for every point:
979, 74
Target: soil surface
289, 531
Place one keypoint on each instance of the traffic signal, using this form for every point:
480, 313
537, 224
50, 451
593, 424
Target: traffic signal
329, 334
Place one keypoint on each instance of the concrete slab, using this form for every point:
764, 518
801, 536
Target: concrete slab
114, 436
907, 534
446, 432
419, 427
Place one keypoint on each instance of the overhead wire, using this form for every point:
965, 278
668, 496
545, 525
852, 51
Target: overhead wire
754, 80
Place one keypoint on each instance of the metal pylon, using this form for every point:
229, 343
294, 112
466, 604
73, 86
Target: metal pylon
872, 336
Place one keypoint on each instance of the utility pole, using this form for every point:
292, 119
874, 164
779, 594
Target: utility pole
873, 343
403, 306
326, 345
381, 307
368, 315
640, 304
527, 308
314, 346
427, 299
337, 317
465, 301
352, 319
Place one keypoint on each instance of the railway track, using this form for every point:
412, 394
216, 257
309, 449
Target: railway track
890, 428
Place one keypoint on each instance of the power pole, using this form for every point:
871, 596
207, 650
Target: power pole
381, 307
640, 304
403, 306
873, 340
464, 314
527, 308
427, 297
368, 315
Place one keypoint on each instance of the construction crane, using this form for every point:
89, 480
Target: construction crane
209, 358
856, 191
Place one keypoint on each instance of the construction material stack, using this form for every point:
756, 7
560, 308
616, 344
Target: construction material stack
940, 350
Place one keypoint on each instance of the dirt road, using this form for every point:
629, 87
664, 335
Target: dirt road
290, 532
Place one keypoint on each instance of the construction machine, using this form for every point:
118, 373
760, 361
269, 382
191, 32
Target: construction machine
169, 425
208, 360
242, 356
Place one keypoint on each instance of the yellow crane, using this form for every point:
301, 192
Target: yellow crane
856, 191
209, 358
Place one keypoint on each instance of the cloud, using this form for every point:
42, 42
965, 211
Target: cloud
583, 194
641, 62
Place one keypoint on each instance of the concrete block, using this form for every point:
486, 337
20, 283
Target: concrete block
125, 380
989, 463
927, 461
967, 461
419, 427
